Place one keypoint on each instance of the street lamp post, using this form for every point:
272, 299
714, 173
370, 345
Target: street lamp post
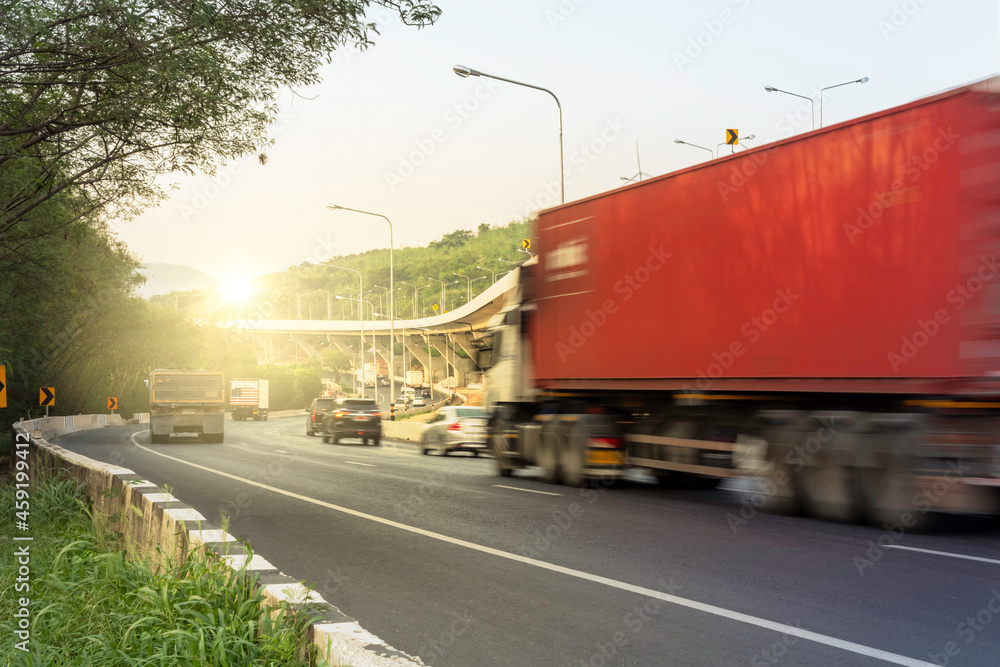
361, 289
392, 309
863, 79
746, 138
414, 304
468, 285
812, 106
442, 291
416, 300
710, 151
493, 274
465, 72
362, 351
385, 292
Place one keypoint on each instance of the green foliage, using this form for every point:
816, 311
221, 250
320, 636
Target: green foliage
99, 98
457, 252
336, 360
102, 96
92, 606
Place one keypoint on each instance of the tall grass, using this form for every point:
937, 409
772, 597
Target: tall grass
90, 605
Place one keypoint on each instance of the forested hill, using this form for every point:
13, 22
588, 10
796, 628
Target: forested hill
460, 261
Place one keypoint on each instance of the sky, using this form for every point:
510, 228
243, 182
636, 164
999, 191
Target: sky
393, 130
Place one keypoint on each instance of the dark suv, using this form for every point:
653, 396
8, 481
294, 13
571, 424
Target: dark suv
314, 418
353, 418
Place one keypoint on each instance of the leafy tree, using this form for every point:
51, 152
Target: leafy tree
336, 360
101, 96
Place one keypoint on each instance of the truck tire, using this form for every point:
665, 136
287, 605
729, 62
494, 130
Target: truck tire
326, 439
828, 479
548, 454
886, 477
778, 429
498, 445
376, 442
572, 451
157, 439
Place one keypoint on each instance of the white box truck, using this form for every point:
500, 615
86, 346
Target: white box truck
248, 399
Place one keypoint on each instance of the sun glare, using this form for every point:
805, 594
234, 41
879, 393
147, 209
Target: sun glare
237, 290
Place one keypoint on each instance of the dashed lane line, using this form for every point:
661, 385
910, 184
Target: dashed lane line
945, 553
517, 488
669, 598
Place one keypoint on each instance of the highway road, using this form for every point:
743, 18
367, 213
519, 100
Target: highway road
445, 560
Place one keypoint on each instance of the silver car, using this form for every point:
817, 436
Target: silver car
456, 428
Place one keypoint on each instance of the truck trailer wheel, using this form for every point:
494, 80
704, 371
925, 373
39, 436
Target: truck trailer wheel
571, 458
498, 445
827, 452
888, 480
547, 456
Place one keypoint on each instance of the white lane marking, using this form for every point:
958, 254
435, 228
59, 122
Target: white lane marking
944, 553
517, 488
367, 465
781, 628
282, 451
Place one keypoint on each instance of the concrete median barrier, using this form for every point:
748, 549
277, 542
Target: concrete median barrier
160, 525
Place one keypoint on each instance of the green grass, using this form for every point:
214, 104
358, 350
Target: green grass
90, 605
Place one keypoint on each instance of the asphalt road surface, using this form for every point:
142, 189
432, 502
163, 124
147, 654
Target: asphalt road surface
443, 559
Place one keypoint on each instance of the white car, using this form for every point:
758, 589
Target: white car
456, 428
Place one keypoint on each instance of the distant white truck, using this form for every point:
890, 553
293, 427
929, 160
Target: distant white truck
186, 401
415, 378
248, 399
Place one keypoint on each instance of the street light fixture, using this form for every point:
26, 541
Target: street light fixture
416, 300
362, 351
710, 151
392, 309
812, 106
468, 285
863, 79
361, 289
466, 72
746, 138
442, 290
493, 274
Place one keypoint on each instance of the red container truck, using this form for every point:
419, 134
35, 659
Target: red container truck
823, 312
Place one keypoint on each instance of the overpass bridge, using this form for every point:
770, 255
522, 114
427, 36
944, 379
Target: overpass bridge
455, 335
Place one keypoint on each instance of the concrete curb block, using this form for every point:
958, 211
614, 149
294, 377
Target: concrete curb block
154, 518
403, 430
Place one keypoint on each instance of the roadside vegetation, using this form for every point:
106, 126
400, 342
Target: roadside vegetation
101, 99
92, 606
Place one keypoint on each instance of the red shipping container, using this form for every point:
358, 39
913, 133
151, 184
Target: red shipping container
859, 257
